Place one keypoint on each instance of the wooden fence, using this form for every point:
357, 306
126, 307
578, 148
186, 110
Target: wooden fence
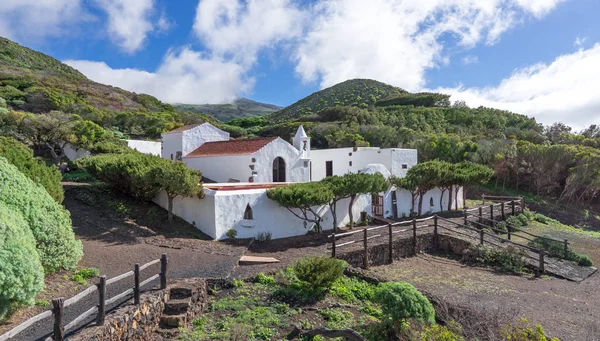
505, 208
60, 304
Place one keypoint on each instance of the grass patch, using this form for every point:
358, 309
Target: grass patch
83, 275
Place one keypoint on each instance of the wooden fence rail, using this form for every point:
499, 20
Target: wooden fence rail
60, 304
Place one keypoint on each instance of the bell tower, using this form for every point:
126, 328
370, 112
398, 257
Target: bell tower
302, 143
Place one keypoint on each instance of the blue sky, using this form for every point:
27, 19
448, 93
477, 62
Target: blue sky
536, 57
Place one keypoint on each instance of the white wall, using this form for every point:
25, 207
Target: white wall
171, 144
391, 158
296, 171
198, 212
197, 136
222, 168
403, 202
73, 153
146, 147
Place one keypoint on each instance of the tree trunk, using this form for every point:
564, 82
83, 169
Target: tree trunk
464, 195
350, 211
450, 198
332, 208
170, 207
456, 197
442, 199
420, 203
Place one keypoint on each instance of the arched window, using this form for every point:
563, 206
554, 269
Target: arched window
248, 215
431, 202
278, 170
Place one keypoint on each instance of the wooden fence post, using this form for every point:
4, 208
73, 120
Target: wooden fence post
492, 216
480, 215
163, 271
465, 217
508, 230
522, 204
566, 249
57, 310
502, 211
481, 234
136, 281
390, 244
101, 301
435, 233
366, 247
483, 199
512, 204
333, 246
541, 266
414, 237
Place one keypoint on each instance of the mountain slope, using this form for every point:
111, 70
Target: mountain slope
241, 107
34, 82
354, 92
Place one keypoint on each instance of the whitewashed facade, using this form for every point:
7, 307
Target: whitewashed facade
245, 169
145, 147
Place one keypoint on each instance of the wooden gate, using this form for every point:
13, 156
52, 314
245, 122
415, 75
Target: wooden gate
377, 203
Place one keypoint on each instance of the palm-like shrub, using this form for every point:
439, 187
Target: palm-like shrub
21, 273
49, 222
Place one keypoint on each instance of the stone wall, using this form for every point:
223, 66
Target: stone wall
403, 248
139, 323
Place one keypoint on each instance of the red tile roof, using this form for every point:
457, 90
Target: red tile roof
233, 147
184, 128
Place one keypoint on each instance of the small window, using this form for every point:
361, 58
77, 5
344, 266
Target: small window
178, 156
431, 201
171, 156
328, 168
248, 215
404, 166
350, 163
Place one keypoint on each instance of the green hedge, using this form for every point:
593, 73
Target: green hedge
21, 272
21, 156
49, 221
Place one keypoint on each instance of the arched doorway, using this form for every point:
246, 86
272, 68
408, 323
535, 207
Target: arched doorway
279, 170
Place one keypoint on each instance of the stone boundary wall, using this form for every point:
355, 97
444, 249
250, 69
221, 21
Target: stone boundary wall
139, 323
403, 248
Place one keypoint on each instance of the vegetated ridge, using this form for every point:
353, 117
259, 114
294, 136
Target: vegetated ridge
241, 107
355, 92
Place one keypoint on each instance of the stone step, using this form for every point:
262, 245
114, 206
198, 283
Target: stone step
177, 306
174, 321
181, 292
249, 260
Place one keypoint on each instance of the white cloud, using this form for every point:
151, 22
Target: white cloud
36, 19
579, 42
129, 22
471, 59
396, 41
565, 90
185, 76
238, 29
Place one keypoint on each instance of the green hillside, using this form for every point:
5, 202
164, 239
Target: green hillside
240, 108
355, 92
33, 82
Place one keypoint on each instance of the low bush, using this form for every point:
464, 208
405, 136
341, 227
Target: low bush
514, 221
400, 301
507, 259
352, 289
49, 222
83, 275
523, 331
21, 156
79, 175
264, 237
319, 272
557, 249
264, 279
501, 227
21, 272
231, 234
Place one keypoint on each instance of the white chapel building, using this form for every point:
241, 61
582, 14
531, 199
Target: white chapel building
237, 174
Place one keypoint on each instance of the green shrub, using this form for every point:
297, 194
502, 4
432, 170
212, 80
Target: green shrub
21, 156
507, 259
264, 237
79, 175
523, 331
231, 234
21, 272
49, 222
400, 301
319, 272
264, 279
523, 219
557, 249
514, 221
82, 276
337, 318
352, 289
501, 227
